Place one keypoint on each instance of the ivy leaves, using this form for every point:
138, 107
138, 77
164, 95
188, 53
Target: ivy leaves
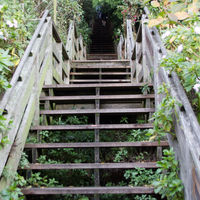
163, 117
168, 184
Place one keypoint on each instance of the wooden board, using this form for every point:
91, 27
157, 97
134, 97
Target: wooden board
93, 111
89, 190
97, 144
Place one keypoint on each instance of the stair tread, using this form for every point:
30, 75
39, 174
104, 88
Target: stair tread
100, 73
90, 190
93, 127
96, 111
99, 80
96, 144
94, 97
100, 61
38, 166
101, 67
99, 85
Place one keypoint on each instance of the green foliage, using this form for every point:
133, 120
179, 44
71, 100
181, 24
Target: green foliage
180, 27
168, 184
4, 140
72, 10
138, 135
124, 120
121, 155
5, 64
144, 197
140, 176
13, 192
163, 117
24, 160
145, 89
36, 180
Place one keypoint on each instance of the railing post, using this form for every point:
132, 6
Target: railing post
49, 77
70, 41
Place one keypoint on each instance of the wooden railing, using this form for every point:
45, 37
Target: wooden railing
45, 61
145, 58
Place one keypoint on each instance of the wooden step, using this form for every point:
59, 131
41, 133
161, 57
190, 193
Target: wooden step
100, 61
100, 73
88, 190
38, 166
99, 85
96, 144
92, 127
100, 97
97, 111
99, 80
100, 67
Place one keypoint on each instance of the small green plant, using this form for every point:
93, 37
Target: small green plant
145, 89
24, 160
121, 155
141, 156
144, 197
124, 120
168, 183
37, 181
138, 135
13, 192
163, 117
140, 176
44, 135
43, 160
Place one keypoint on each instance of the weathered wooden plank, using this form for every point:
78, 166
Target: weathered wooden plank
57, 77
102, 67
38, 166
97, 111
16, 115
101, 85
102, 73
107, 97
97, 144
100, 61
89, 190
99, 80
56, 51
70, 41
20, 140
92, 127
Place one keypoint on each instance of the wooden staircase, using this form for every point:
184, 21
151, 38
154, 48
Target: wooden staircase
53, 83
101, 71
102, 90
104, 103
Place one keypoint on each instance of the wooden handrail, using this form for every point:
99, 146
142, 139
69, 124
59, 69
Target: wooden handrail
21, 65
45, 61
146, 56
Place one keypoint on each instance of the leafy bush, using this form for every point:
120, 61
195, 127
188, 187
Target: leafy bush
140, 176
168, 184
